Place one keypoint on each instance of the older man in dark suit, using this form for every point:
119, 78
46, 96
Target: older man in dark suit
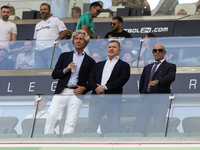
156, 78
72, 70
106, 80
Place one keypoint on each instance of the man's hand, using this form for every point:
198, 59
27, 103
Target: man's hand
152, 83
100, 89
70, 66
79, 90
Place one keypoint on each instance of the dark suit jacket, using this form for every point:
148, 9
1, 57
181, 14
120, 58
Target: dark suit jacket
118, 77
63, 61
166, 74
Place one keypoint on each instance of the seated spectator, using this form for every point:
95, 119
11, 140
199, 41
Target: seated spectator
117, 31
149, 41
146, 8
127, 3
198, 9
41, 113
66, 44
76, 12
97, 57
26, 60
198, 3
12, 12
5, 63
181, 12
172, 57
129, 58
101, 3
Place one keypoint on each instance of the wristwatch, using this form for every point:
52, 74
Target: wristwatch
157, 80
104, 87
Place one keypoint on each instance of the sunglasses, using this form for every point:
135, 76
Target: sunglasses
113, 24
99, 11
157, 50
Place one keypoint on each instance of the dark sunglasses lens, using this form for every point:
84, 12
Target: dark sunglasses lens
113, 24
155, 50
99, 11
159, 50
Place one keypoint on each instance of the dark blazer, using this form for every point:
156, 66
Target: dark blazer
64, 60
165, 73
118, 77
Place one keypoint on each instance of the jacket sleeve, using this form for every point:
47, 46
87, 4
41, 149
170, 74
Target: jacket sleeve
58, 71
169, 77
121, 81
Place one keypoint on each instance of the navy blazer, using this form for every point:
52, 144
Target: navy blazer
165, 73
119, 76
64, 60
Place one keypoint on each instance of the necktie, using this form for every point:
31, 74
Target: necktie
151, 75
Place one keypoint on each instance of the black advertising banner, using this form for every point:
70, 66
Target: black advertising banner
140, 29
187, 28
31, 85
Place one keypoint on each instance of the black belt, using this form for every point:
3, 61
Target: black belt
71, 87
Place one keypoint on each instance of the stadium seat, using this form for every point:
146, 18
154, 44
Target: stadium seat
124, 123
191, 124
27, 125
189, 8
8, 122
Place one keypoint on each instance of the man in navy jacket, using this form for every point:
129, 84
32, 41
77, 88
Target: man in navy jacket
106, 81
72, 70
156, 78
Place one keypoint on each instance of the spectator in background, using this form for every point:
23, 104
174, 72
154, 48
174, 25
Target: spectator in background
146, 8
149, 41
181, 12
46, 32
76, 12
12, 12
101, 3
86, 20
66, 44
96, 57
127, 3
26, 59
117, 31
41, 113
8, 30
5, 63
129, 58
198, 3
198, 9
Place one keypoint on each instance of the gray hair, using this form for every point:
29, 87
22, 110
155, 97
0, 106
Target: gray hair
75, 33
116, 41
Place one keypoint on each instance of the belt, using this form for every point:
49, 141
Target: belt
71, 87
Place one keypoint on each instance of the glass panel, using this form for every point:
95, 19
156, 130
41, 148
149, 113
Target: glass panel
182, 51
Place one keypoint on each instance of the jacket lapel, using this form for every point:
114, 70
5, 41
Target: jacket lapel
160, 67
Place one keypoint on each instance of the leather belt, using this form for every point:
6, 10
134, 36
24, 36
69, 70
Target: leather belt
71, 87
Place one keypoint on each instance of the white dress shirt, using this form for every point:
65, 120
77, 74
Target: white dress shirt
108, 68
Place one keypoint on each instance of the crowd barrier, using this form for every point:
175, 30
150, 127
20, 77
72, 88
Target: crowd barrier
149, 115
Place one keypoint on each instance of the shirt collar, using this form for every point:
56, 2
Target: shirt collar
116, 57
75, 52
161, 61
